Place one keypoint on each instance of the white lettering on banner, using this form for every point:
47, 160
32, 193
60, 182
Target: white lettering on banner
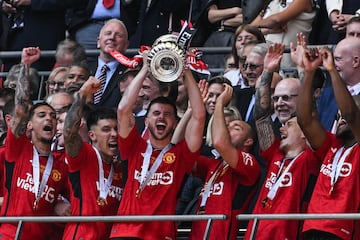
114, 191
28, 185
247, 159
165, 178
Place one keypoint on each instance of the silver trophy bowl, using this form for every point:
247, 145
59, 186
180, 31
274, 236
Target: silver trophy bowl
166, 58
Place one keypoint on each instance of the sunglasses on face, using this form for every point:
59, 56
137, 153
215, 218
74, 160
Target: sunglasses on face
251, 66
285, 98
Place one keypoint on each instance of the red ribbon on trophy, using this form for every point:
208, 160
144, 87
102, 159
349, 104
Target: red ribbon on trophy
129, 62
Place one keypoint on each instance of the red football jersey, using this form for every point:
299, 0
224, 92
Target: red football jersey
84, 178
290, 194
230, 194
19, 188
159, 197
345, 197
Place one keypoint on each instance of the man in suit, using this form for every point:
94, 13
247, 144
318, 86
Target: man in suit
113, 36
35, 23
156, 18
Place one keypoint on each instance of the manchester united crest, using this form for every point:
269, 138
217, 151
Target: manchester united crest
169, 158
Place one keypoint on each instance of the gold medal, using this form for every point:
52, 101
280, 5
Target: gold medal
265, 203
35, 205
138, 193
201, 210
101, 201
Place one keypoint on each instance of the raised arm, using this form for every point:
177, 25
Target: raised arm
195, 127
307, 119
22, 96
179, 132
347, 106
220, 134
262, 107
126, 119
72, 138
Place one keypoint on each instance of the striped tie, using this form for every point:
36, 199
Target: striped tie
102, 78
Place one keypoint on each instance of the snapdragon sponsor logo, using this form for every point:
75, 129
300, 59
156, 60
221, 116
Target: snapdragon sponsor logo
27, 184
216, 189
344, 172
114, 191
165, 178
271, 180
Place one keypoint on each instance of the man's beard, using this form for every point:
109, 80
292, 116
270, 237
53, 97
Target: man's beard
45, 140
345, 134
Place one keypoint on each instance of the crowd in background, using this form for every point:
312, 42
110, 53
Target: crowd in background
259, 130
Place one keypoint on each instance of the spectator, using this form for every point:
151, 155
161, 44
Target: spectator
69, 52
78, 73
156, 18
56, 81
338, 180
283, 19
20, 199
95, 174
224, 17
13, 76
6, 94
243, 34
291, 165
39, 23
60, 101
173, 160
124, 82
331, 20
231, 176
113, 36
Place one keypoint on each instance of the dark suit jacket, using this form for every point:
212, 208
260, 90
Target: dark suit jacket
242, 99
112, 96
155, 21
44, 27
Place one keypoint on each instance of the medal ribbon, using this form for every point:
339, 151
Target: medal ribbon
273, 190
338, 161
206, 194
40, 186
103, 188
146, 174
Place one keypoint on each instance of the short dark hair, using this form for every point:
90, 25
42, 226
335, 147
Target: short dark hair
36, 105
355, 19
163, 100
98, 114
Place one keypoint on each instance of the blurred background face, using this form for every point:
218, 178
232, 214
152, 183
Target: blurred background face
284, 98
253, 68
58, 83
353, 30
149, 91
214, 91
76, 74
243, 38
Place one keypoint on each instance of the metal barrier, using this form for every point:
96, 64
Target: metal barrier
138, 218
295, 216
